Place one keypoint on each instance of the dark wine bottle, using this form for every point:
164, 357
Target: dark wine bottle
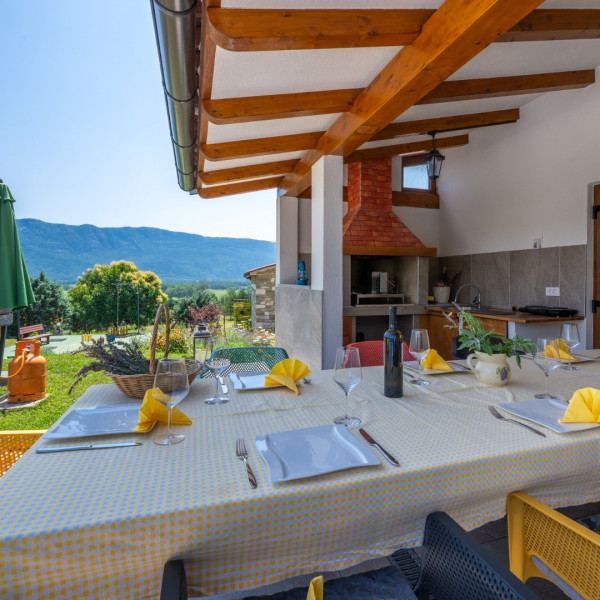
392, 359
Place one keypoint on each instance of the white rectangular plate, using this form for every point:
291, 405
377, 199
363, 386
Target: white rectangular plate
413, 365
250, 380
580, 358
98, 420
546, 412
313, 451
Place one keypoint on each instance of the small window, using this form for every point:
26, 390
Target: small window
414, 174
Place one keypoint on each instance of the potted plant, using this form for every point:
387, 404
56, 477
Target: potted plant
490, 349
441, 288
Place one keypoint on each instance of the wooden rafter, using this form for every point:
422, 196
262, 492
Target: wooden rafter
405, 149
273, 29
452, 36
256, 108
261, 146
255, 185
492, 87
282, 167
470, 121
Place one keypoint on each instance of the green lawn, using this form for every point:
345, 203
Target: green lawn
60, 371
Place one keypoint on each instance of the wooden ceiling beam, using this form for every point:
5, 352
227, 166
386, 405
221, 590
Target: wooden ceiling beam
558, 24
453, 35
439, 124
270, 29
219, 191
242, 30
278, 106
408, 148
492, 87
261, 146
281, 167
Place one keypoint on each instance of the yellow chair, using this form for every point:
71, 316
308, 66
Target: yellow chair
544, 543
13, 444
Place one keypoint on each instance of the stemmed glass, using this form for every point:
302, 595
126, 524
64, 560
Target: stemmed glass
171, 386
546, 363
216, 363
347, 374
419, 348
569, 334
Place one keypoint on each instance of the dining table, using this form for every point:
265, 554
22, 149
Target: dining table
101, 523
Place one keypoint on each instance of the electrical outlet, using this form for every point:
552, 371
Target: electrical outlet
537, 243
552, 291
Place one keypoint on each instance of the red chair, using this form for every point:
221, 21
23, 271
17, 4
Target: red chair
371, 353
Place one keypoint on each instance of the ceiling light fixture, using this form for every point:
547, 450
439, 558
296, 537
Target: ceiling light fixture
434, 159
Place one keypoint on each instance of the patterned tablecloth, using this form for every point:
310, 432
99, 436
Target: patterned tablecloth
101, 524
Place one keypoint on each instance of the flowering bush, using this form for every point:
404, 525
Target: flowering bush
178, 341
262, 337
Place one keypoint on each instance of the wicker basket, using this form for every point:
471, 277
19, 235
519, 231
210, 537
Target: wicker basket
135, 386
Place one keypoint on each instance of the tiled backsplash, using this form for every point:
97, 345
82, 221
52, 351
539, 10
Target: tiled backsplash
518, 277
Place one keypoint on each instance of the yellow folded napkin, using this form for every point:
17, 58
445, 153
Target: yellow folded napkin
153, 410
315, 589
584, 407
562, 352
287, 372
434, 361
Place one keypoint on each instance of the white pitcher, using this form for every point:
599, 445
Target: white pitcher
490, 370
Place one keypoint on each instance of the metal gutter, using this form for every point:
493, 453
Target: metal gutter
174, 27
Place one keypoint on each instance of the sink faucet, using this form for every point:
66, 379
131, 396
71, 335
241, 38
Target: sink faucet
476, 301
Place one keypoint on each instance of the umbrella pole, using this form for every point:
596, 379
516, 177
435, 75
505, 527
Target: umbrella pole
3, 329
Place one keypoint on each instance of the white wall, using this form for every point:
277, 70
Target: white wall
514, 183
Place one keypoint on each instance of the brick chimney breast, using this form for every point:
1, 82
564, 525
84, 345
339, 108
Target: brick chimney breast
370, 220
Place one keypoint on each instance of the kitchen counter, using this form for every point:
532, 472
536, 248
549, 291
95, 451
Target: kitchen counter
507, 315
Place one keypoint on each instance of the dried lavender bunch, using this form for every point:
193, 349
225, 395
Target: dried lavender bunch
117, 358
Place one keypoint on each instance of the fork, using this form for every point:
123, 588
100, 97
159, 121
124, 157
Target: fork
503, 418
242, 454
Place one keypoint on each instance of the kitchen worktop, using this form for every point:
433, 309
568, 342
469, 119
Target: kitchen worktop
508, 315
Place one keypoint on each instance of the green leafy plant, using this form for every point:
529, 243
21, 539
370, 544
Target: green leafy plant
472, 335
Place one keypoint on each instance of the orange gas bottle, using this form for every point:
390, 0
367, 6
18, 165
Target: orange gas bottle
27, 373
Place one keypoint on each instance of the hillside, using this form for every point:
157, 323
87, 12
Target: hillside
64, 252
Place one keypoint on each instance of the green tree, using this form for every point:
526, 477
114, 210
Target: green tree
51, 304
178, 307
94, 296
233, 293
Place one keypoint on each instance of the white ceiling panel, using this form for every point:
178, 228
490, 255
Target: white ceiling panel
305, 4
216, 165
273, 127
257, 73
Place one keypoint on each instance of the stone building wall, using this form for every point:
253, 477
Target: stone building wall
263, 298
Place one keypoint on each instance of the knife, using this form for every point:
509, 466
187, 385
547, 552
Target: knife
87, 447
385, 453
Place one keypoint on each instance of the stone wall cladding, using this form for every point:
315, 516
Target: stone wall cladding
263, 299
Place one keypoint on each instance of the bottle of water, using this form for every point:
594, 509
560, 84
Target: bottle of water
392, 359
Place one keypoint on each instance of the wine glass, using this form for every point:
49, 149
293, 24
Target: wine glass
569, 336
347, 374
171, 386
419, 348
546, 363
216, 363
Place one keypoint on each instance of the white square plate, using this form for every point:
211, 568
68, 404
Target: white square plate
546, 412
313, 451
97, 420
249, 380
413, 365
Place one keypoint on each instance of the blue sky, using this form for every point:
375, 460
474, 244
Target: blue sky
84, 136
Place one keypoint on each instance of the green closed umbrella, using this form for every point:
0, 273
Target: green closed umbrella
15, 286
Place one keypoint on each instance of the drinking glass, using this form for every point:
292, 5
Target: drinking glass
216, 363
347, 374
569, 334
171, 386
419, 348
546, 363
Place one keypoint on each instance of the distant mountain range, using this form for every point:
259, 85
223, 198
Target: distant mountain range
64, 252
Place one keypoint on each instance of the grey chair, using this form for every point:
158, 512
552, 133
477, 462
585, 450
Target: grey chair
454, 567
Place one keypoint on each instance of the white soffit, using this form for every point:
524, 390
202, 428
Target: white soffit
305, 4
217, 165
270, 128
284, 72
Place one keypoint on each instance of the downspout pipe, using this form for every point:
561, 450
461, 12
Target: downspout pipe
174, 27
